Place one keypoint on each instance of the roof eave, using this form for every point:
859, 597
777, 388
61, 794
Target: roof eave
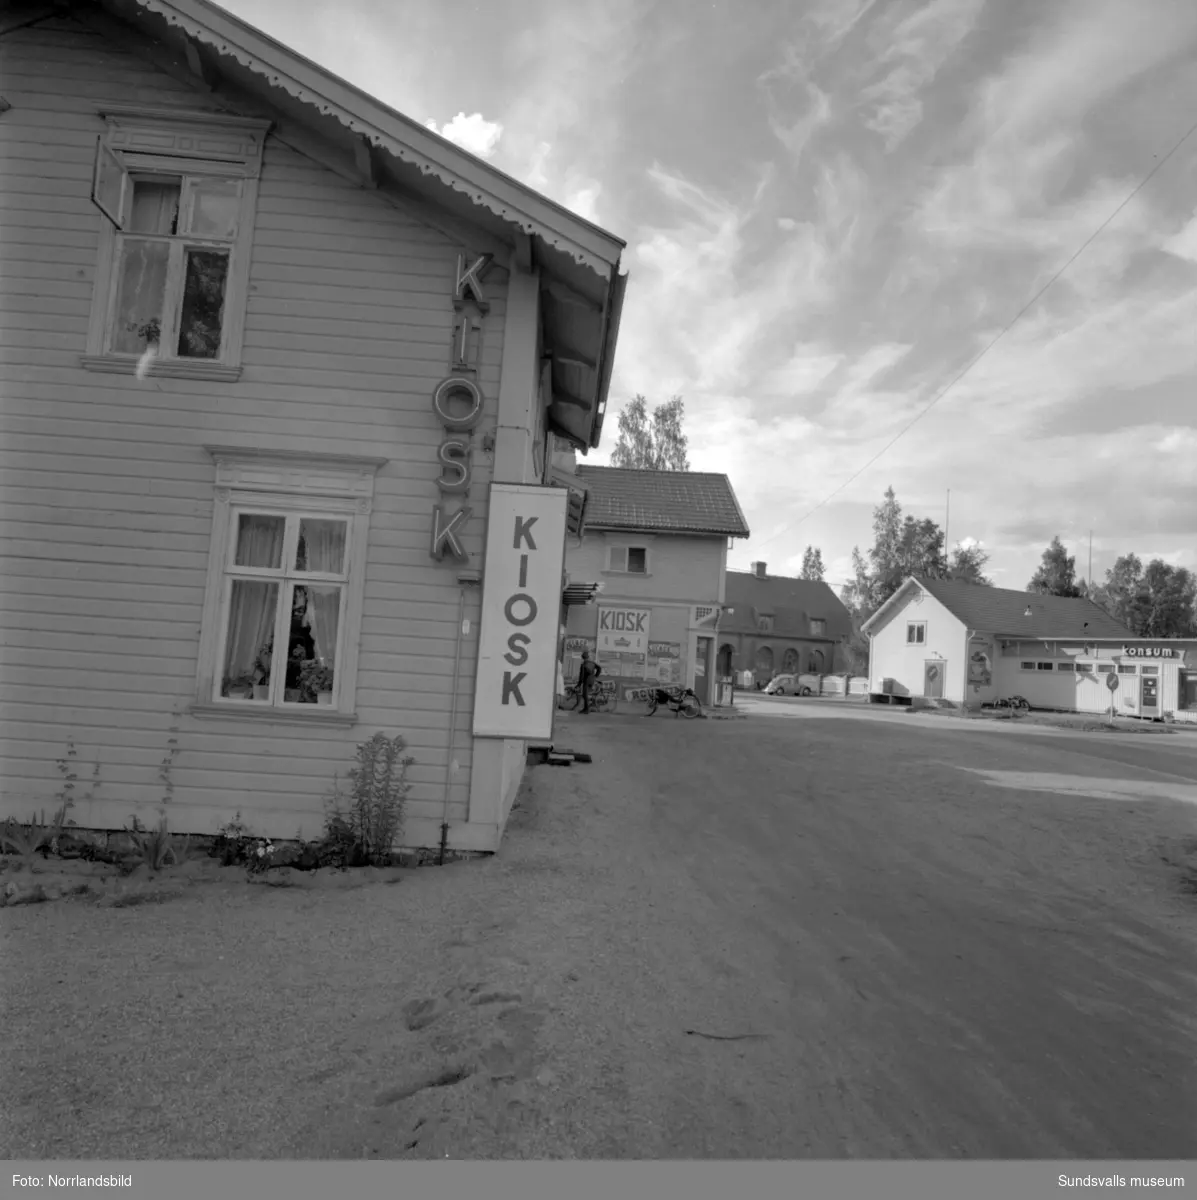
390, 130
614, 315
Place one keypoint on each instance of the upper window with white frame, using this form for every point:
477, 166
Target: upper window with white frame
174, 256
628, 560
818, 627
286, 572
916, 633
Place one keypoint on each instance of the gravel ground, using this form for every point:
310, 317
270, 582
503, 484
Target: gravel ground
755, 939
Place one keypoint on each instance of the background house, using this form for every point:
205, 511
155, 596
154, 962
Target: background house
778, 625
273, 345
657, 542
966, 644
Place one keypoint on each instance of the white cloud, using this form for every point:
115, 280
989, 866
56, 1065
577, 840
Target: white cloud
918, 46
473, 133
1183, 243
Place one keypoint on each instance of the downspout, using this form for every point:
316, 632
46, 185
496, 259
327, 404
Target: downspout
465, 581
968, 641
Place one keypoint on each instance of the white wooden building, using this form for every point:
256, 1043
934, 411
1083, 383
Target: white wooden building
267, 347
946, 640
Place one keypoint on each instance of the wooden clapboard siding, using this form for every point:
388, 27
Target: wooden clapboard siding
108, 492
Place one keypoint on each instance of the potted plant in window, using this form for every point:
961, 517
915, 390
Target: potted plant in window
318, 680
292, 685
239, 687
261, 672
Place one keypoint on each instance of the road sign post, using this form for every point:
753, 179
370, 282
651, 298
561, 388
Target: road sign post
1112, 684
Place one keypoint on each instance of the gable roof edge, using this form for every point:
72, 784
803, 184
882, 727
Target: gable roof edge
397, 134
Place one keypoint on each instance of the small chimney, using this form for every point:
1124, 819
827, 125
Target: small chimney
758, 569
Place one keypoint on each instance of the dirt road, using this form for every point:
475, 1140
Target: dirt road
752, 939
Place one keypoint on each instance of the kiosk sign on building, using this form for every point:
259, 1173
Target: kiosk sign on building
521, 610
621, 647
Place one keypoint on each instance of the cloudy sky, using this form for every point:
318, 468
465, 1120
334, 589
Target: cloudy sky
831, 208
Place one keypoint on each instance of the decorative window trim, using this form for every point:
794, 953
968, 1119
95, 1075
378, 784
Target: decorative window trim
288, 482
186, 142
916, 633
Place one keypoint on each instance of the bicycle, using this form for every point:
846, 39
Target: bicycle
677, 699
1014, 704
602, 696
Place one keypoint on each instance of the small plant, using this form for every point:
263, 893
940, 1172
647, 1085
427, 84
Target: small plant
167, 765
231, 841
368, 818
315, 676
158, 847
262, 663
27, 839
239, 683
261, 857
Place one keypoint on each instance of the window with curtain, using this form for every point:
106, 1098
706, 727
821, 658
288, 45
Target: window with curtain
285, 588
172, 265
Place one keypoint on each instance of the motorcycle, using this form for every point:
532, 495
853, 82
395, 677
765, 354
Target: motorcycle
679, 700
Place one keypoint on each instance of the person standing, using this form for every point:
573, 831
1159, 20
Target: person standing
585, 678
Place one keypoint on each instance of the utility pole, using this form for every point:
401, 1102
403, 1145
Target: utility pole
1089, 585
947, 522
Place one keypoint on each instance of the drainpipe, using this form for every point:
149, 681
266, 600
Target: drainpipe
465, 580
968, 641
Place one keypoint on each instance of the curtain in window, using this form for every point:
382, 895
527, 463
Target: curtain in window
325, 541
252, 609
155, 206
254, 603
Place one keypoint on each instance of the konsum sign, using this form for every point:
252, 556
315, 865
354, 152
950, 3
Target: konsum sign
521, 610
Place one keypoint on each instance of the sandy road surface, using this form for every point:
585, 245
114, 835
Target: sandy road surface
887, 943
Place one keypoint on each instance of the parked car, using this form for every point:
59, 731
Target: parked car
791, 685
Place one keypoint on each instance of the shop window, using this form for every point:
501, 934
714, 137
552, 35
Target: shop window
1069, 667
1026, 666
916, 633
1126, 668
1105, 668
284, 596
175, 248
1151, 670
1084, 668
628, 560
1045, 666
1187, 696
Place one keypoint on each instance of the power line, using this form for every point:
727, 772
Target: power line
1017, 317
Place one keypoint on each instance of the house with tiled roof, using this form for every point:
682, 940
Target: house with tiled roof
774, 624
947, 641
655, 543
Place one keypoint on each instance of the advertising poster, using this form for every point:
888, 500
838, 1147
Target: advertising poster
517, 642
980, 665
664, 663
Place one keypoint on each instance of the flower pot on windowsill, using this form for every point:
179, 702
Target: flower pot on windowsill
324, 697
261, 691
240, 693
291, 695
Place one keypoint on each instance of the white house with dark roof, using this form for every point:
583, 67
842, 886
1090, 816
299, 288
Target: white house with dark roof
946, 640
279, 355
656, 542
